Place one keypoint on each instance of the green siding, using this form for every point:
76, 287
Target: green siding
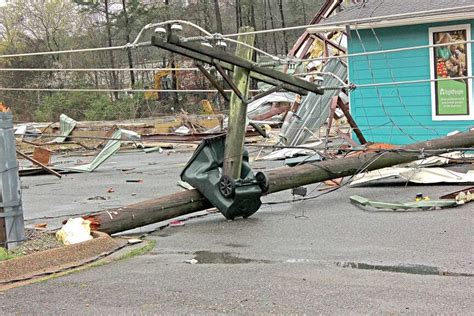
396, 114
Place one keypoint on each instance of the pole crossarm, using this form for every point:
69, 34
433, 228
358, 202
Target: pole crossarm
227, 61
214, 82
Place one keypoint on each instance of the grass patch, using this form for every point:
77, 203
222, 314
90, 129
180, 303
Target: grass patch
4, 255
139, 251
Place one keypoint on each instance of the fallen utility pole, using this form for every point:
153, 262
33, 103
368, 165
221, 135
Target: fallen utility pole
182, 203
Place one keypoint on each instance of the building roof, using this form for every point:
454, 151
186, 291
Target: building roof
382, 13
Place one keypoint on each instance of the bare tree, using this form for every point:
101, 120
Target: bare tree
282, 16
108, 26
127, 37
272, 23
238, 14
219, 28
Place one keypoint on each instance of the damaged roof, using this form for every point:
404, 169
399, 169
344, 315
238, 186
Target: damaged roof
412, 11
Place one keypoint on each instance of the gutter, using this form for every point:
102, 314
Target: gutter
411, 18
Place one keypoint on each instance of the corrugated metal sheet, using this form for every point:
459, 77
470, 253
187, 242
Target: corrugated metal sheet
314, 109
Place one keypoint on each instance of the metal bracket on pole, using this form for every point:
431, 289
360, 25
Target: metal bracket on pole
213, 81
264, 94
11, 214
231, 83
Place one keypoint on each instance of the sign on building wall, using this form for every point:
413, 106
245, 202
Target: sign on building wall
451, 93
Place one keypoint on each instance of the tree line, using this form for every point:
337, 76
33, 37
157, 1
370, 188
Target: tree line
28, 26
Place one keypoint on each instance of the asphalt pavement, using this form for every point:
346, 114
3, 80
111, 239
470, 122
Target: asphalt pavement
322, 255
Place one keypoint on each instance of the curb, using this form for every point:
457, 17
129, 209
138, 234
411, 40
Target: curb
58, 259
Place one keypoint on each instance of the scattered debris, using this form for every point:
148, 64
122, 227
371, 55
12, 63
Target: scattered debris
27, 130
185, 185
182, 130
419, 205
110, 190
293, 152
441, 160
44, 167
291, 162
66, 126
300, 191
109, 149
42, 155
97, 198
461, 196
271, 107
75, 230
176, 223
133, 241
40, 225
415, 175
152, 150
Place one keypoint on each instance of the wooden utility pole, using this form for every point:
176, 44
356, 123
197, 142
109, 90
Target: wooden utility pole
234, 145
136, 215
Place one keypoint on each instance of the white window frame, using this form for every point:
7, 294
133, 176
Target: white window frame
436, 117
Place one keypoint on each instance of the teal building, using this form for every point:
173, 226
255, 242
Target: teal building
420, 88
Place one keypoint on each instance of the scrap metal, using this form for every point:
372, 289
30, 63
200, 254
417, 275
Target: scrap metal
314, 109
423, 204
66, 126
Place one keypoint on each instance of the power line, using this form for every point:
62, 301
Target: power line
81, 50
353, 85
376, 52
93, 69
355, 21
196, 69
116, 90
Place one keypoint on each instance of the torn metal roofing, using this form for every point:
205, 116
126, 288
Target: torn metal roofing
112, 146
314, 109
66, 126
